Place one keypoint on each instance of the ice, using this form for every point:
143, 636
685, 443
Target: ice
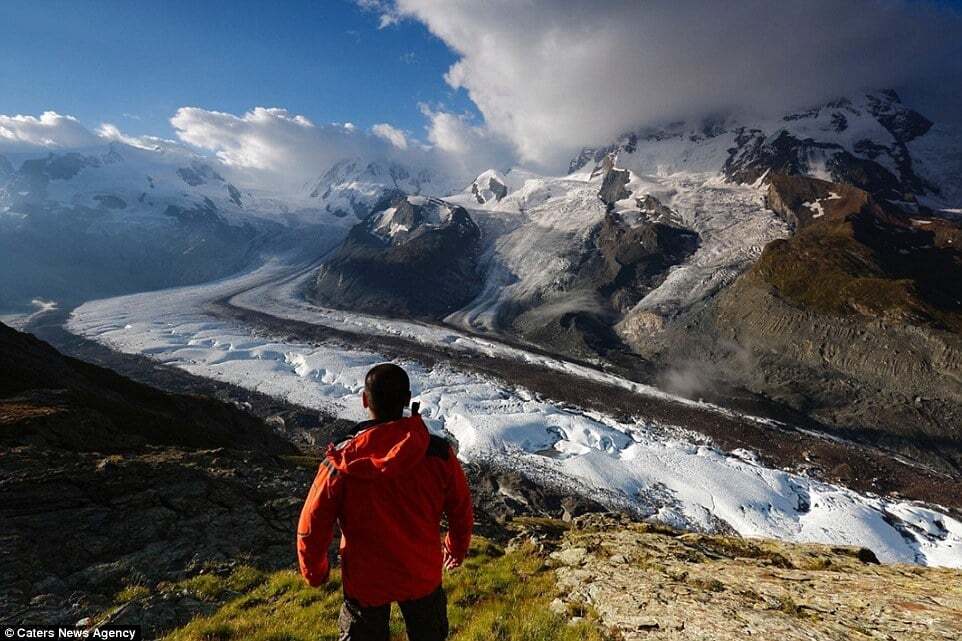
661, 471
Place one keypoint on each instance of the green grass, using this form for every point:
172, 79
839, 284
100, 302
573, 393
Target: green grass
132, 593
495, 596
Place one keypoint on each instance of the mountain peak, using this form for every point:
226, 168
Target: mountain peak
489, 186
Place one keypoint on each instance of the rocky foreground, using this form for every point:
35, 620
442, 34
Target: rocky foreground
649, 582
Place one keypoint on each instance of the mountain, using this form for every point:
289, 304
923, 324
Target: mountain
873, 142
710, 256
808, 259
356, 188
128, 484
82, 224
854, 319
416, 258
57, 401
850, 312
489, 186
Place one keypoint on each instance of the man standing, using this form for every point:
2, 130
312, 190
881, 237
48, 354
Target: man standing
388, 487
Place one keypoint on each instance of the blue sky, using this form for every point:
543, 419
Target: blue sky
134, 63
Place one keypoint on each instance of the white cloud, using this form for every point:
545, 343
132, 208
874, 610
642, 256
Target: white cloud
391, 134
50, 130
473, 147
58, 132
112, 133
263, 138
274, 147
271, 147
388, 15
554, 75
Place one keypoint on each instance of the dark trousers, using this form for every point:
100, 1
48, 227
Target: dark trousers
426, 619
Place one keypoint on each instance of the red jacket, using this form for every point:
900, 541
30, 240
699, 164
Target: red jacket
387, 488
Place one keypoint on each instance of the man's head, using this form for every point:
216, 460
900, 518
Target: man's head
387, 391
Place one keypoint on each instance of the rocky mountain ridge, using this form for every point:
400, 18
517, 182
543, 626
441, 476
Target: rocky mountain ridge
865, 141
416, 258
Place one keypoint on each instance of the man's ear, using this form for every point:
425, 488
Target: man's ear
407, 399
364, 399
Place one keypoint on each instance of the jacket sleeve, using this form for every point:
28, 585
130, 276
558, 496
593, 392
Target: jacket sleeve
315, 528
457, 507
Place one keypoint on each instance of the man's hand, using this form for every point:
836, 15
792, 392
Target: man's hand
449, 560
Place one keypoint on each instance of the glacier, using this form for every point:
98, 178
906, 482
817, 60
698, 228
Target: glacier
661, 471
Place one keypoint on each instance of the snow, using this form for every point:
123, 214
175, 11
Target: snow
40, 307
733, 227
147, 181
816, 207
661, 471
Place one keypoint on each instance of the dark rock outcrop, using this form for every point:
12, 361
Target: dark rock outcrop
487, 187
204, 213
57, 401
235, 195
757, 153
627, 261
199, 173
613, 187
800, 200
500, 495
109, 201
418, 258
106, 483
621, 261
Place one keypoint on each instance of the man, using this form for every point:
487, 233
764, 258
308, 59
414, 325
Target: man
388, 487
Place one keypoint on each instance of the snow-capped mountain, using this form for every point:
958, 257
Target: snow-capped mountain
873, 142
141, 183
117, 218
646, 256
417, 257
489, 186
619, 260
357, 187
707, 177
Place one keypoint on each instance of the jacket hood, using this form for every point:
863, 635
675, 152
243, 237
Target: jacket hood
382, 451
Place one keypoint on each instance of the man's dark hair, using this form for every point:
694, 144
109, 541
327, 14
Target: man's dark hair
388, 390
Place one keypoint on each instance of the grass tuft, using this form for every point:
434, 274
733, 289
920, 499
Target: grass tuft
494, 596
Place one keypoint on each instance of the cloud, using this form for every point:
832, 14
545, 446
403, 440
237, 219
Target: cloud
111, 133
50, 130
473, 146
271, 147
263, 138
553, 75
391, 134
388, 15
272, 144
275, 148
58, 132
